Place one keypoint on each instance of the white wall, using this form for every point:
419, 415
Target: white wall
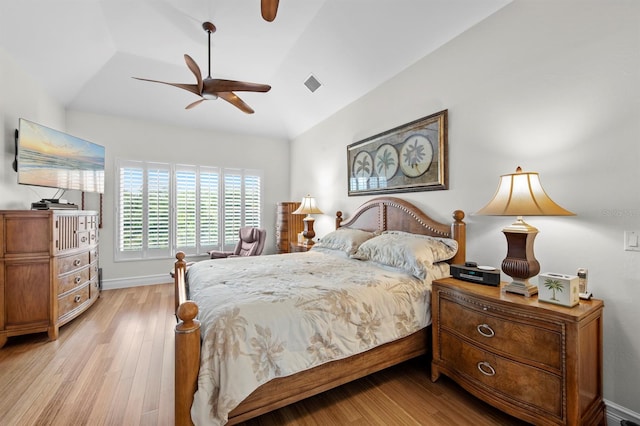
137, 140
553, 87
21, 97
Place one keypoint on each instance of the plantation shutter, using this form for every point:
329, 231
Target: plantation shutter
163, 208
186, 209
252, 199
158, 212
232, 207
131, 211
209, 208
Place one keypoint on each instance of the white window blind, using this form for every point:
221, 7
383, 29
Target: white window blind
209, 207
131, 201
242, 202
252, 199
158, 208
163, 208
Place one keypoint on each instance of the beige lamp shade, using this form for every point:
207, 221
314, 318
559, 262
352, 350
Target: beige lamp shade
308, 206
521, 194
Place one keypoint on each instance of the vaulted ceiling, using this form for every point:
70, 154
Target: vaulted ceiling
84, 53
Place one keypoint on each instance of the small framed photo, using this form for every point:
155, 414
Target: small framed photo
411, 157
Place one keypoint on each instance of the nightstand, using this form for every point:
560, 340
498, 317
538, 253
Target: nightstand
536, 361
300, 247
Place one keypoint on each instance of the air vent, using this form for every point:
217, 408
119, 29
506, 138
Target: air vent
312, 83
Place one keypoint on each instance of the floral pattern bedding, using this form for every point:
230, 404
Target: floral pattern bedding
270, 316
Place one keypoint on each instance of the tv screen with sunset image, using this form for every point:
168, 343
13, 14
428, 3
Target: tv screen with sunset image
48, 157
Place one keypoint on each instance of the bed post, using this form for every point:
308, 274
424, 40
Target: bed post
459, 233
187, 347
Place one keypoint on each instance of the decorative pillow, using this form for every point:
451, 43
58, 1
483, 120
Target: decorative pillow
413, 253
344, 239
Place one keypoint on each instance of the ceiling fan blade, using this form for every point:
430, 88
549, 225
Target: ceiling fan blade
193, 104
218, 85
195, 69
233, 99
193, 88
269, 9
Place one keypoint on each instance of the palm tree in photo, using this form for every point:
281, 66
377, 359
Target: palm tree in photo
553, 285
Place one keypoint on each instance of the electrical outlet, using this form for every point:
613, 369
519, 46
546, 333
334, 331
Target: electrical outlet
632, 240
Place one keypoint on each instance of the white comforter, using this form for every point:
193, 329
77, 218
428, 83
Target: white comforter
271, 316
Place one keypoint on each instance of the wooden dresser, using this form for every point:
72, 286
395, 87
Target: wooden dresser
536, 361
48, 269
288, 226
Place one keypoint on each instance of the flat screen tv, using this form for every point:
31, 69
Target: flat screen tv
48, 157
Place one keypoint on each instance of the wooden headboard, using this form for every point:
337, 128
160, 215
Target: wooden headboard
395, 214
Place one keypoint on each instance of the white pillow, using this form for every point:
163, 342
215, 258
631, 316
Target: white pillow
413, 253
344, 239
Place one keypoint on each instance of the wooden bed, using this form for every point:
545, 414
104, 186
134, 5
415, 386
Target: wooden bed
383, 213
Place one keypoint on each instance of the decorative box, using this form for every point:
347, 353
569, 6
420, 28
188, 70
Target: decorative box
560, 289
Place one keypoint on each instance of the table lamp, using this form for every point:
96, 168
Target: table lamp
308, 206
521, 194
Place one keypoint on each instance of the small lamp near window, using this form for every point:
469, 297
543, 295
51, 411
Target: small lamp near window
521, 194
308, 206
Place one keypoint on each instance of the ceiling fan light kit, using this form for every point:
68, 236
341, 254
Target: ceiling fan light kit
213, 88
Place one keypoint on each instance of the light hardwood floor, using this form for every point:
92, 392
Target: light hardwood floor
113, 365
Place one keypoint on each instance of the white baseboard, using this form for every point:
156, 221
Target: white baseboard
616, 413
115, 283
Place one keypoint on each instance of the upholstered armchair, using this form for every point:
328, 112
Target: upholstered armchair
251, 244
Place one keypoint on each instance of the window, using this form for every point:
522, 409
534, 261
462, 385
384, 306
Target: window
163, 208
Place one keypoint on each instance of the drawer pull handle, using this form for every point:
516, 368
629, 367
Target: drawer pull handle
77, 262
78, 279
485, 330
83, 239
486, 368
77, 299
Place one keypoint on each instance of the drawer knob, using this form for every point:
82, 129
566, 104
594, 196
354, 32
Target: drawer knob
77, 262
78, 279
77, 299
83, 239
485, 330
486, 368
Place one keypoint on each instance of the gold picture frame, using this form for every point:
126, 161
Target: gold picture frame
410, 157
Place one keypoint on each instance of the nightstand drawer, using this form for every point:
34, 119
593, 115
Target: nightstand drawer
502, 376
515, 336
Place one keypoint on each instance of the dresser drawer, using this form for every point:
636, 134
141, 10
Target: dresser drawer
70, 281
511, 335
73, 300
93, 255
72, 262
94, 288
512, 380
93, 270
86, 238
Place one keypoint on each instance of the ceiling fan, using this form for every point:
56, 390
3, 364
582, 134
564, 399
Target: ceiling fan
213, 88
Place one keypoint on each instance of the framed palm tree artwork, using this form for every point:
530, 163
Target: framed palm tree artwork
410, 157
